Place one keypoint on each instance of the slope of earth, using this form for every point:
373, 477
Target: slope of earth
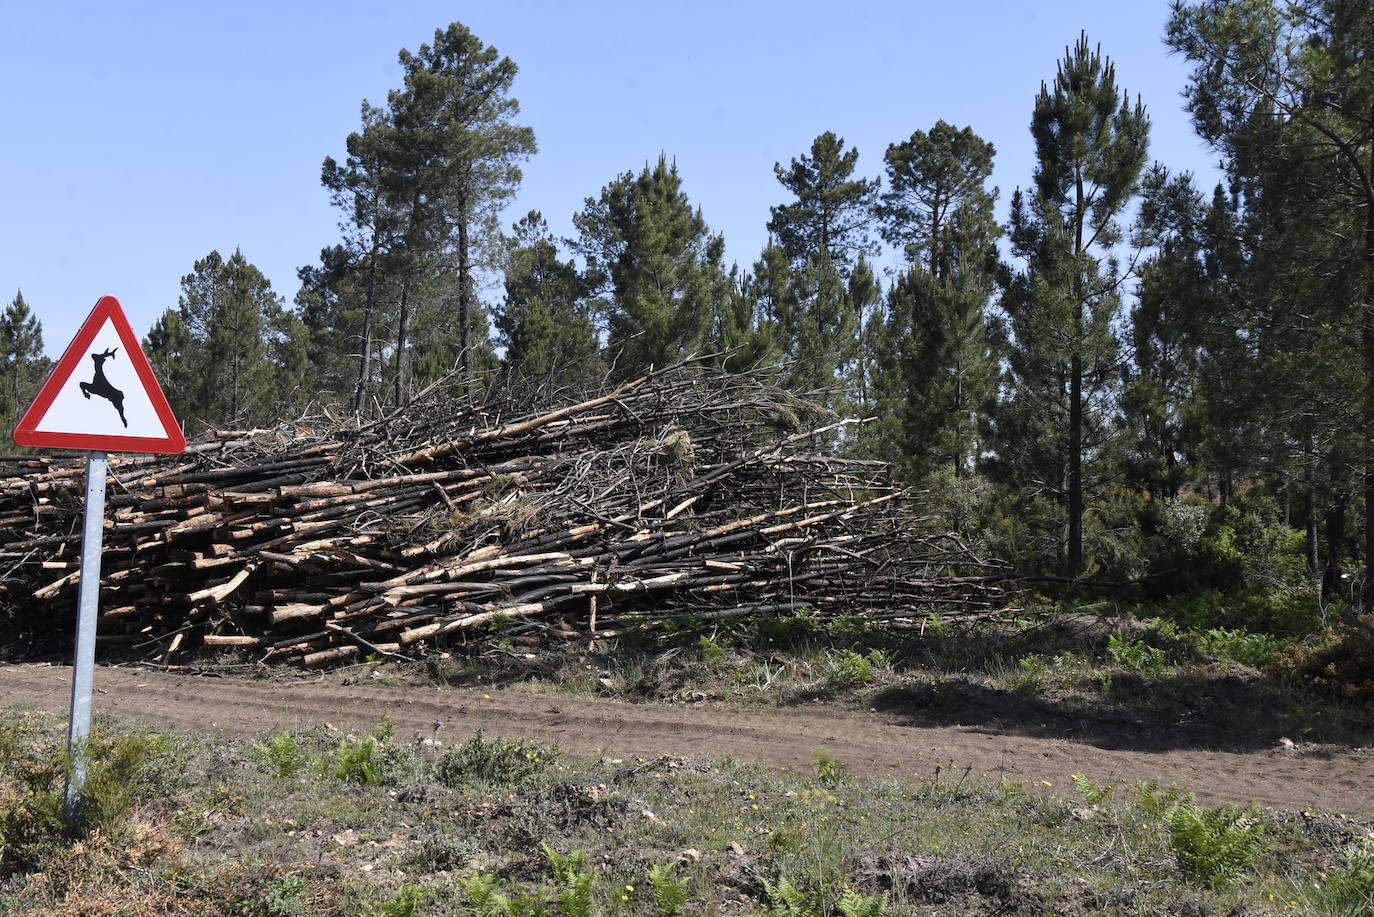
872, 744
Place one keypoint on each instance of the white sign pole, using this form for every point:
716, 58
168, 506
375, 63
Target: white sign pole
87, 606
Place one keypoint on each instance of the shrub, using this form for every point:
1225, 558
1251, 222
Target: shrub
1340, 665
1213, 845
493, 760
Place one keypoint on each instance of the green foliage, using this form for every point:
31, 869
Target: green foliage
574, 886
855, 904
404, 903
830, 769
1349, 890
494, 760
786, 900
1213, 845
545, 322
1153, 799
1340, 665
1093, 792
711, 651
376, 758
22, 364
120, 770
352, 761
662, 268
847, 668
1136, 655
283, 898
1241, 646
670, 891
281, 755
213, 353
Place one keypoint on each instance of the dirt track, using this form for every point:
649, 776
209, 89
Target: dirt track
873, 745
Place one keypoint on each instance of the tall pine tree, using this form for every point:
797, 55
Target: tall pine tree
1091, 145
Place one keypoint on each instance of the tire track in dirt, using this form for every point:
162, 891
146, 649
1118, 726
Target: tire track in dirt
869, 743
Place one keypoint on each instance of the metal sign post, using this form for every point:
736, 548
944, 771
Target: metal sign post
87, 605
118, 407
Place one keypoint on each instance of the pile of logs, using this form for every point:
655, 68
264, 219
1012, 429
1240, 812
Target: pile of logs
682, 494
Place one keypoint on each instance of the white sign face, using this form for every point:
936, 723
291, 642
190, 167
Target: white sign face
104, 396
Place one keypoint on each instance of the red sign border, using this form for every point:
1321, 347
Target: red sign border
25, 432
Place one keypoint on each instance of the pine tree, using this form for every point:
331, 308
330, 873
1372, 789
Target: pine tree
215, 350
939, 371
545, 322
1090, 146
823, 233
930, 177
1285, 91
657, 266
828, 222
457, 151
22, 364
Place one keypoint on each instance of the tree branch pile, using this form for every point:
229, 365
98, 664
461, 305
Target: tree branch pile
685, 493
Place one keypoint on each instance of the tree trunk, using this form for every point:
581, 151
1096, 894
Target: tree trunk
402, 329
1335, 540
1076, 398
464, 301
1311, 488
365, 357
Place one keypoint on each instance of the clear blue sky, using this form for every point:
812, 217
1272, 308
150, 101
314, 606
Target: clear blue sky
140, 136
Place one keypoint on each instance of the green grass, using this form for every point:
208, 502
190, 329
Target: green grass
497, 826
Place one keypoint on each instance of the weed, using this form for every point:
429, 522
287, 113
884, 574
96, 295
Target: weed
281, 755
1241, 646
439, 852
284, 898
670, 892
830, 769
786, 900
711, 651
483, 900
1213, 845
847, 668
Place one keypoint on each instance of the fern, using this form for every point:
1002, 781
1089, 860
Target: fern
574, 886
854, 904
786, 900
670, 892
1213, 844
483, 900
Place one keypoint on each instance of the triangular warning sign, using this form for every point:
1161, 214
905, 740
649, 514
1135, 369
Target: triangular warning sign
102, 395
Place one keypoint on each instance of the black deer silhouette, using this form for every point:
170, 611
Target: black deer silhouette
101, 386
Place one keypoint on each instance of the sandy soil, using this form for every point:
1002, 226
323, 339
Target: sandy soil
873, 744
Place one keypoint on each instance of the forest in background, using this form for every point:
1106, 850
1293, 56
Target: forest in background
1133, 380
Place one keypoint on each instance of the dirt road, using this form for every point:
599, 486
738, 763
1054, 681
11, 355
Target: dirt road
871, 744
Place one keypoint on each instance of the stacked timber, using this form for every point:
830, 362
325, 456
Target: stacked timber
684, 493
